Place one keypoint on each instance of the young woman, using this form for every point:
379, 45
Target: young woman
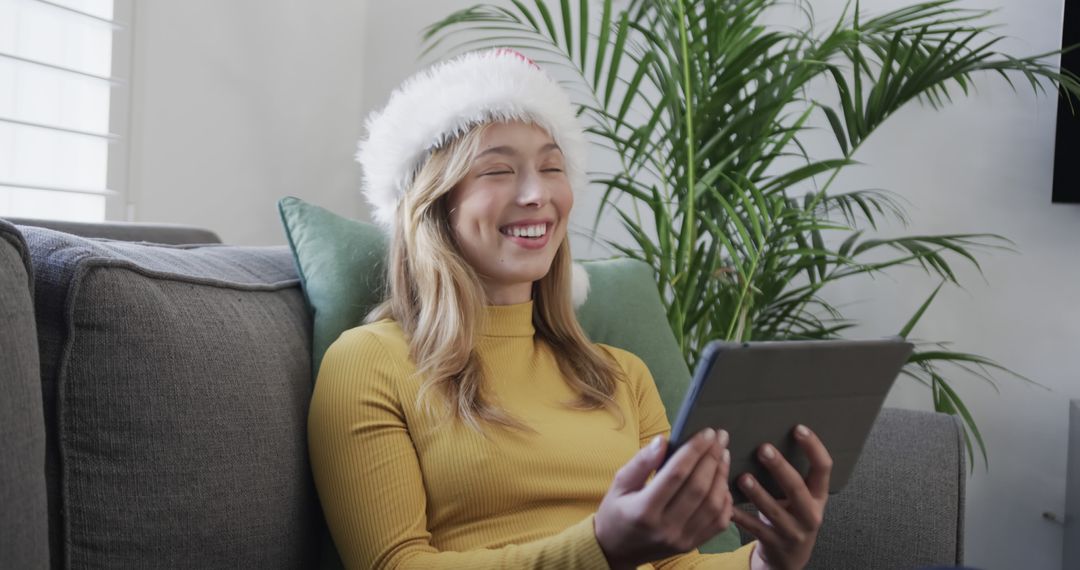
471, 423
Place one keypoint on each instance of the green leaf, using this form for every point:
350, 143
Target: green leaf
568, 33
545, 13
957, 405
602, 42
583, 31
797, 175
527, 14
904, 332
837, 127
616, 57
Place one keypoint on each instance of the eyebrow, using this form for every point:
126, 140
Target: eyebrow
511, 151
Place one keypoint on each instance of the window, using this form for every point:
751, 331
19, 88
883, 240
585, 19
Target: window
58, 91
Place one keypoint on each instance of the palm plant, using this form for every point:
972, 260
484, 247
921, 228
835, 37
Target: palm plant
705, 106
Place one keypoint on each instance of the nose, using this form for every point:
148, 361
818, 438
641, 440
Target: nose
533, 192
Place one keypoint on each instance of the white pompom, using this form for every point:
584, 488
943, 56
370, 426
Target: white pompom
579, 283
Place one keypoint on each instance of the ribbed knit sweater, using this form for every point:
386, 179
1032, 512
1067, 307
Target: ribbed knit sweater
401, 490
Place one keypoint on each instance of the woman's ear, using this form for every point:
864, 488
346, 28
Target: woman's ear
579, 284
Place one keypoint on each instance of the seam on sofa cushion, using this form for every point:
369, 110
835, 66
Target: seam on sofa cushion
97, 262
58, 398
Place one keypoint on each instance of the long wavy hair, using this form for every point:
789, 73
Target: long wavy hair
438, 300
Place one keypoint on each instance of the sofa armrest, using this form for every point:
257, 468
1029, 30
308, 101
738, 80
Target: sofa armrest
904, 504
24, 525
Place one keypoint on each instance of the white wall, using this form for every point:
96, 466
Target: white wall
236, 104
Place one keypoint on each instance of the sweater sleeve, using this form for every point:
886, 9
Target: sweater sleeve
368, 476
653, 420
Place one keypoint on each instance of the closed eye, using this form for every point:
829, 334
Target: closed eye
497, 172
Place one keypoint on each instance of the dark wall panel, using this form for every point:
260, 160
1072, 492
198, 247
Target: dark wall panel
1067, 154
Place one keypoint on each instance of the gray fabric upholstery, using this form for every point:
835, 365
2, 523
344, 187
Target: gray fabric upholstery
903, 507
176, 382
126, 231
24, 539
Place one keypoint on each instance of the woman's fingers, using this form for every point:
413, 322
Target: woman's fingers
720, 443
795, 520
699, 485
632, 476
713, 513
754, 526
670, 478
724, 472
817, 480
722, 484
693, 492
790, 481
693, 504
725, 457
783, 522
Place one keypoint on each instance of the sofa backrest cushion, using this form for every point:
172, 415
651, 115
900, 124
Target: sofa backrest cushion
24, 539
176, 382
903, 506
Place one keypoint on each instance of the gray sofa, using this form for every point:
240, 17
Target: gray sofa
154, 404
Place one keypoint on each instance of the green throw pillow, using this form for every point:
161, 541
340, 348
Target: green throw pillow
342, 263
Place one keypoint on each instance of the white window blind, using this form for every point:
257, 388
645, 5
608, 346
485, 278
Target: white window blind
56, 85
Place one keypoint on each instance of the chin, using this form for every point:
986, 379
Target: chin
530, 277
524, 275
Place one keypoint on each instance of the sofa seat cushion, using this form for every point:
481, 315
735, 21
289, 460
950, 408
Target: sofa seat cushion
24, 540
176, 382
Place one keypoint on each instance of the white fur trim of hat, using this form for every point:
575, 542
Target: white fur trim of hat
445, 101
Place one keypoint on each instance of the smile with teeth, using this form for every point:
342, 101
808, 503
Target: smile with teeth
527, 231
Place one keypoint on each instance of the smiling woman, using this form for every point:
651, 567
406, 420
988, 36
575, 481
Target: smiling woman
471, 423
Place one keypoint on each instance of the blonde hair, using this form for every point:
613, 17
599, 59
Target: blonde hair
438, 300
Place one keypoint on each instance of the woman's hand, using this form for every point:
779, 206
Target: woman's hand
787, 538
686, 504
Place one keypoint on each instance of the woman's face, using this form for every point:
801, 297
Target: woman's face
509, 213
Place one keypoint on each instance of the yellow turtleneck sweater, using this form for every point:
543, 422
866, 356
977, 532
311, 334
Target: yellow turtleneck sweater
399, 493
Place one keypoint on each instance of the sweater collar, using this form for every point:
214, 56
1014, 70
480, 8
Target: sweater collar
508, 320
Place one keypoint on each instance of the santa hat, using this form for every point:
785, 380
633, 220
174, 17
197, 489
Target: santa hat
445, 101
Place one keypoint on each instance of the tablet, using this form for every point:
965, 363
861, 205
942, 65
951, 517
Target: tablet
759, 391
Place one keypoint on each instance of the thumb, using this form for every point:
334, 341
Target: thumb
632, 476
